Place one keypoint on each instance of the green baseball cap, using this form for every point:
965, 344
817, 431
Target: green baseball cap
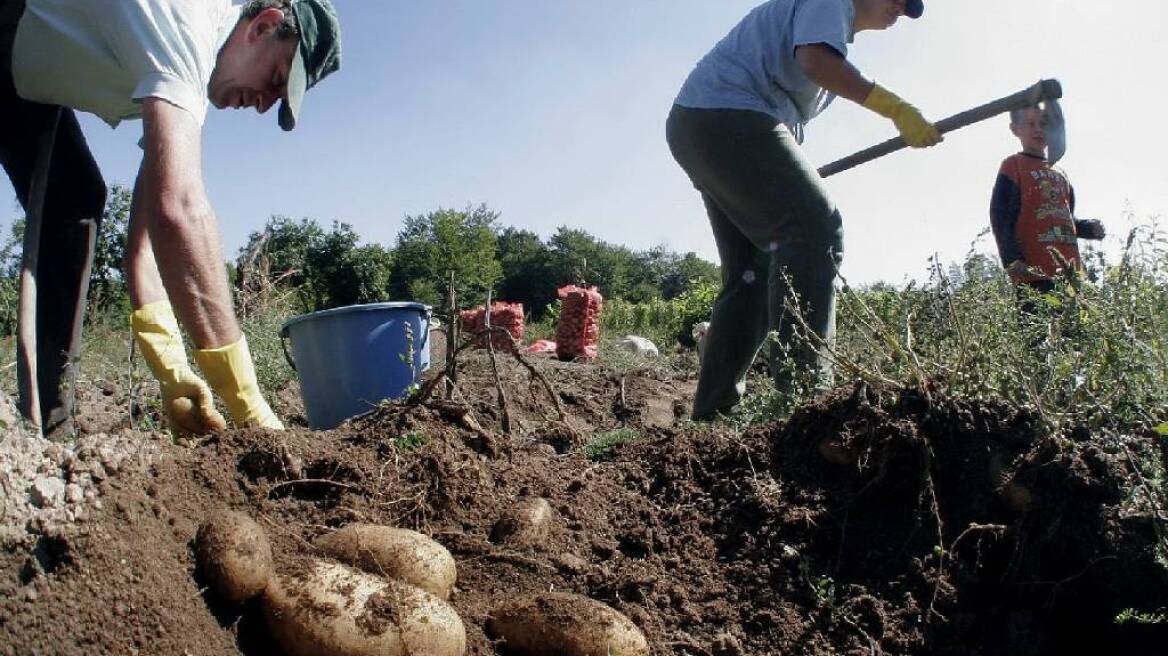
318, 54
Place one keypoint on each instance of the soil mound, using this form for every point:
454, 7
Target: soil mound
868, 522
927, 524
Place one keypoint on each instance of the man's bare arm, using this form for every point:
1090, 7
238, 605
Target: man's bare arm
142, 278
829, 69
182, 225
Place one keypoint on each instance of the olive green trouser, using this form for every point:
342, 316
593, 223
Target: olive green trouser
779, 238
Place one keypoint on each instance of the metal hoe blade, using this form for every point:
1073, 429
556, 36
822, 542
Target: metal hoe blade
1056, 130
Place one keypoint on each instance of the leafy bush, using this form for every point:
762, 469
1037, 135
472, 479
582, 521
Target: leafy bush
324, 269
434, 247
9, 305
262, 325
108, 297
664, 321
108, 294
1091, 353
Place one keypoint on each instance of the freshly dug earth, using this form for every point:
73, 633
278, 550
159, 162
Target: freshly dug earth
933, 526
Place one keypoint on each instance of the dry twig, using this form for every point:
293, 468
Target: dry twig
935, 506
315, 481
535, 373
130, 381
502, 394
1158, 514
952, 311
454, 326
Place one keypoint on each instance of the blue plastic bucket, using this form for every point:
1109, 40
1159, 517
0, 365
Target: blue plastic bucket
351, 358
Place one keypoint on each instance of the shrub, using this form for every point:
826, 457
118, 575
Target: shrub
1093, 352
660, 320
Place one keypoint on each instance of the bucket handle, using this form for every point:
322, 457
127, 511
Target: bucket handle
425, 345
426, 333
284, 347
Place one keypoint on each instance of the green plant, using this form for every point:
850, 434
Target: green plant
760, 407
434, 247
601, 446
321, 269
410, 441
825, 592
1133, 616
1090, 353
665, 322
262, 311
409, 357
552, 313
542, 329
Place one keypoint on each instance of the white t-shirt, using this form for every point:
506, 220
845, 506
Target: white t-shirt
754, 66
106, 56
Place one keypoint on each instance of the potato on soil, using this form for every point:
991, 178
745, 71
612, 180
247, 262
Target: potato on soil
234, 555
396, 553
190, 420
526, 523
564, 625
336, 610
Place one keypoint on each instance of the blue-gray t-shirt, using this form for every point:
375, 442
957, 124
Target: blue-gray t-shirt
754, 66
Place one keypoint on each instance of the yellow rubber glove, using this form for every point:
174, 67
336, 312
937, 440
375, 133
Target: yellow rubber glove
917, 132
186, 399
232, 375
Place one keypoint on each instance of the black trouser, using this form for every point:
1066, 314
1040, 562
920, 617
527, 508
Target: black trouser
1025, 292
1046, 320
74, 201
778, 234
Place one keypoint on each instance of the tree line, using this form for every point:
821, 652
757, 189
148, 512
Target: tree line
325, 267
329, 268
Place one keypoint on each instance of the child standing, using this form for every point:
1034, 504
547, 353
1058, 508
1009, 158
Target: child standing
1032, 210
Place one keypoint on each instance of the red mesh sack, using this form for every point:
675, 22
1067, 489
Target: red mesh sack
508, 316
541, 347
578, 331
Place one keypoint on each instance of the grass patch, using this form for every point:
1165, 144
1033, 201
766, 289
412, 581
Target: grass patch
601, 446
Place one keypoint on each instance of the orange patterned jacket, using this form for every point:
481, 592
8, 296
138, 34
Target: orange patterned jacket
1032, 213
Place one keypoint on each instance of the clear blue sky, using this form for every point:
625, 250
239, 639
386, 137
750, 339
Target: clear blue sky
552, 112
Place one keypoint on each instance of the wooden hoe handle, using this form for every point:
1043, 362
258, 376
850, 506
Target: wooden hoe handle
1044, 90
